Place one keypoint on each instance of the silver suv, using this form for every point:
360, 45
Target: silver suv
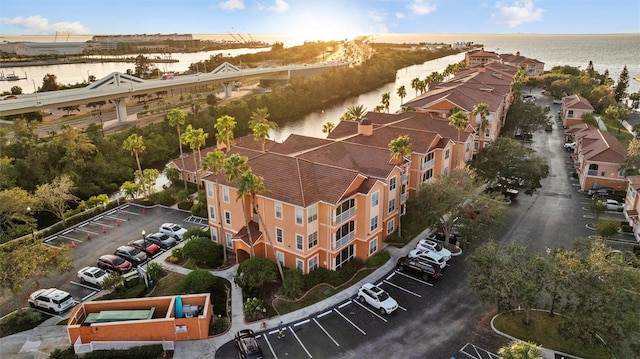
52, 300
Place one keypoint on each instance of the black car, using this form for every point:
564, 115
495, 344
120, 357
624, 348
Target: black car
162, 240
247, 345
133, 255
418, 268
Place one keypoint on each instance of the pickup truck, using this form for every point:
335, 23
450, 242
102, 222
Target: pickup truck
418, 268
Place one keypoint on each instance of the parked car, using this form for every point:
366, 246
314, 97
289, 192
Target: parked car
114, 263
428, 256
377, 298
162, 240
613, 205
173, 230
133, 255
92, 275
601, 190
418, 268
428, 244
52, 300
570, 146
151, 248
248, 347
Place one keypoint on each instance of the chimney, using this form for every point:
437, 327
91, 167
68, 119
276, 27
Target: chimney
365, 127
518, 53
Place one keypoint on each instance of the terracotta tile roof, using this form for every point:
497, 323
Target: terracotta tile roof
189, 164
518, 59
369, 160
632, 213
634, 182
600, 146
243, 234
298, 143
576, 102
482, 53
250, 143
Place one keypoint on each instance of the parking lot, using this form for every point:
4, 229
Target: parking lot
106, 232
342, 328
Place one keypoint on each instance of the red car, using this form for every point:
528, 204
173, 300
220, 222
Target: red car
151, 250
114, 263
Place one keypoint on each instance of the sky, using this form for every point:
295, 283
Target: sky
312, 20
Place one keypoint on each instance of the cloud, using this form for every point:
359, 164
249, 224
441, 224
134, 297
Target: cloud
516, 13
279, 6
419, 7
232, 5
39, 24
400, 15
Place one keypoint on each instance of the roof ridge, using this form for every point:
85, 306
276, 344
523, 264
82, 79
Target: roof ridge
304, 202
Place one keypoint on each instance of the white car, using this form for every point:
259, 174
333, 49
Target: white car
92, 275
377, 298
429, 257
571, 146
427, 244
173, 230
52, 300
613, 205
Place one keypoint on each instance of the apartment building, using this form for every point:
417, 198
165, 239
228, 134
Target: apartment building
632, 205
532, 67
573, 108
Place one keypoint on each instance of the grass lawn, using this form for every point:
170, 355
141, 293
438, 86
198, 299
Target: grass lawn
167, 285
543, 330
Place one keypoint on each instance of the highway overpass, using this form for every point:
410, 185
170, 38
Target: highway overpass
119, 87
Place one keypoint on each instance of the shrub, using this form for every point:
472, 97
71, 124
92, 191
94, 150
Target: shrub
218, 326
165, 198
186, 205
177, 252
254, 273
378, 259
334, 278
144, 352
197, 232
204, 251
199, 209
68, 353
198, 281
254, 307
155, 271
293, 284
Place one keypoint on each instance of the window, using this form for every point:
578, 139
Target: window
227, 217
392, 205
344, 256
212, 212
487, 132
214, 234
392, 184
476, 146
430, 156
279, 210
467, 147
313, 240
312, 214
570, 113
427, 175
345, 206
210, 189
446, 154
280, 257
373, 246
225, 194
299, 242
374, 224
299, 216
345, 230
279, 235
300, 265
375, 197
445, 171
229, 240
390, 226
313, 263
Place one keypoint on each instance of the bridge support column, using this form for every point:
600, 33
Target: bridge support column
121, 110
228, 88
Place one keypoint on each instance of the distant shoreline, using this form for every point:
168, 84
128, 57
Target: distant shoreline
26, 63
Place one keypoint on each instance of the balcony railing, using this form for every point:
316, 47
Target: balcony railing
346, 239
344, 215
403, 198
592, 172
404, 178
427, 165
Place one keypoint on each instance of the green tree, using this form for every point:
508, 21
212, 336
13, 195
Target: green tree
508, 276
16, 90
142, 66
49, 83
55, 196
214, 161
616, 113
254, 273
224, 126
415, 85
399, 148
260, 125
195, 139
482, 109
198, 281
354, 113
203, 251
293, 284
620, 91
520, 350
177, 119
507, 160
402, 93
459, 120
131, 189
135, 145
328, 127
607, 227
385, 101
597, 208
149, 177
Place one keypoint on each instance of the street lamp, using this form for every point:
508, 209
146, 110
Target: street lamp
144, 244
32, 232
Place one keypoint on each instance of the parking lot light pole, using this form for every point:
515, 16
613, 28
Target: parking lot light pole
144, 244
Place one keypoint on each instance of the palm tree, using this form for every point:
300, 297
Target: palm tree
482, 109
399, 148
354, 113
415, 84
378, 108
195, 138
402, 93
459, 120
234, 167
386, 98
214, 162
252, 185
260, 125
224, 126
135, 145
328, 127
176, 119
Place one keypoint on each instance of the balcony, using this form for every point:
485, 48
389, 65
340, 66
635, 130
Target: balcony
427, 165
403, 198
346, 239
344, 216
404, 178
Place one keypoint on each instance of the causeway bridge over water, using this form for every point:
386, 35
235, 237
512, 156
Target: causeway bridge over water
119, 88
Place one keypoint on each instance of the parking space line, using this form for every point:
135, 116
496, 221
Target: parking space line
390, 275
302, 322
100, 223
300, 341
86, 231
65, 237
371, 311
350, 322
128, 212
416, 279
403, 308
402, 288
344, 304
50, 245
323, 314
270, 347
83, 285
117, 218
50, 239
327, 333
